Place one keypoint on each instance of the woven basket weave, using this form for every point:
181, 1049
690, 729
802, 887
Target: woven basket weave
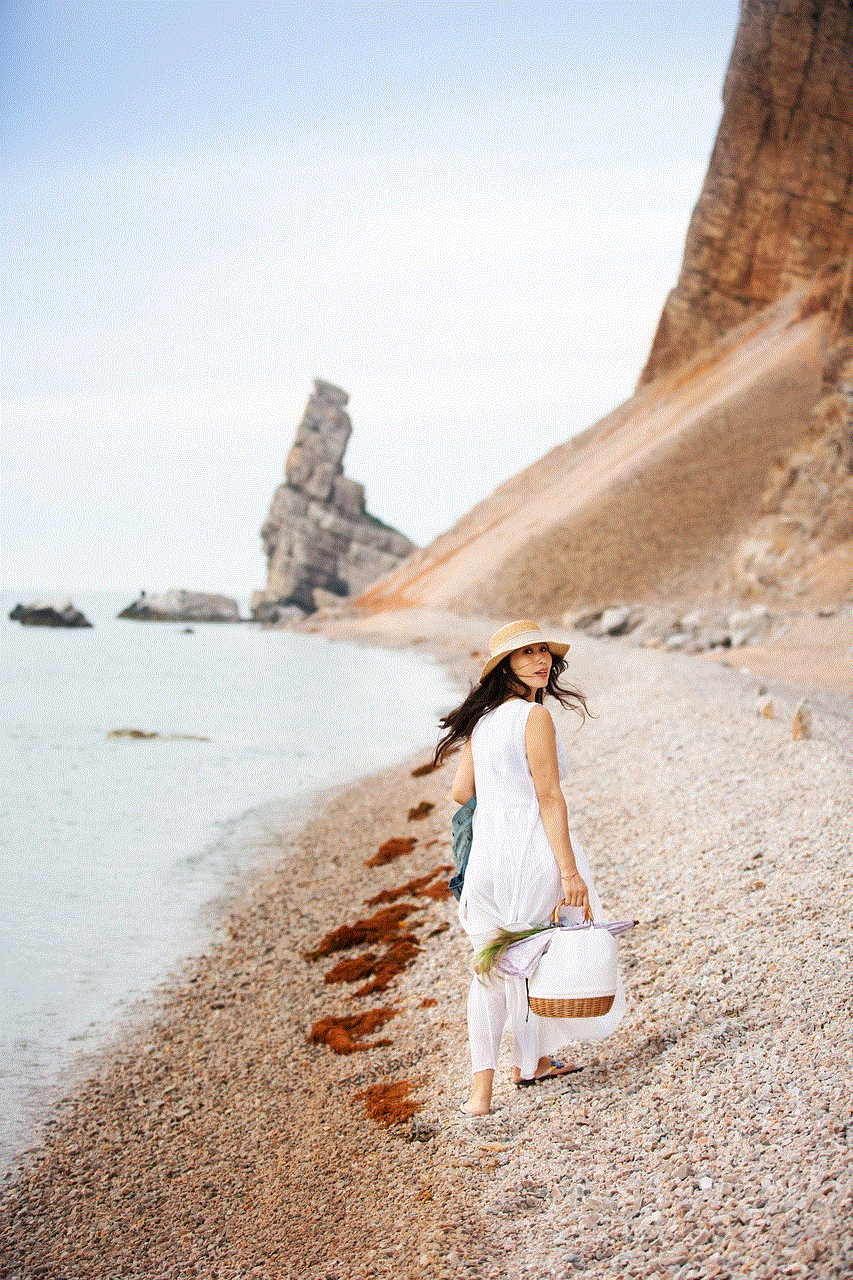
576, 976
585, 1007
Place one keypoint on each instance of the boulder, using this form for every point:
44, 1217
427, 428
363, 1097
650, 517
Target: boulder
615, 621
321, 543
182, 606
801, 726
49, 613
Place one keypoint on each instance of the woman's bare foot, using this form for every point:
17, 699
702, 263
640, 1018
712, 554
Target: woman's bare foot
474, 1107
480, 1100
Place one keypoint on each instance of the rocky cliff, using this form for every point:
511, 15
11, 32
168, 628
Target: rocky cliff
777, 203
321, 542
653, 500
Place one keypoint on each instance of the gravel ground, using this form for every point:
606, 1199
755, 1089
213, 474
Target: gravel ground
710, 1137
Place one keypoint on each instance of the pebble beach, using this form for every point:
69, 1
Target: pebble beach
287, 1105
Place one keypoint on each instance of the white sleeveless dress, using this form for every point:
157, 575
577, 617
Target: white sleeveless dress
512, 881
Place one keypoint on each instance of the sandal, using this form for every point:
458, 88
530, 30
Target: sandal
556, 1069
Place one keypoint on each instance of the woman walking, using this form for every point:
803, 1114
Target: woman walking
524, 867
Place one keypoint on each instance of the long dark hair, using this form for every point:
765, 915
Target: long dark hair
500, 684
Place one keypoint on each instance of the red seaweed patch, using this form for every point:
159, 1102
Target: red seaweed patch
384, 926
423, 769
397, 958
390, 1104
410, 889
422, 810
345, 1035
353, 969
394, 848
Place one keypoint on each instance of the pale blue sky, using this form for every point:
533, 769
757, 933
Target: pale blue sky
466, 214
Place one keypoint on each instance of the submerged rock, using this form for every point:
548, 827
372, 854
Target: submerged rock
145, 733
322, 545
49, 613
183, 606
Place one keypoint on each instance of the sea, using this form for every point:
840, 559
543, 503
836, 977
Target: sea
120, 855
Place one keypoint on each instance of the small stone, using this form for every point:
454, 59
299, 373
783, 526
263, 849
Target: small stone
614, 621
765, 709
801, 726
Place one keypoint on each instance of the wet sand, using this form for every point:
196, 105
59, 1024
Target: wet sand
229, 1136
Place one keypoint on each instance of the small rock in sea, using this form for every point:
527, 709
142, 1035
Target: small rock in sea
49, 613
143, 733
183, 606
802, 723
765, 708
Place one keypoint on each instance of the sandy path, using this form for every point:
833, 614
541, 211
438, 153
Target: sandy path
710, 1137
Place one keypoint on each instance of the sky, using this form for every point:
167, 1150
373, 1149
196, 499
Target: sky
468, 215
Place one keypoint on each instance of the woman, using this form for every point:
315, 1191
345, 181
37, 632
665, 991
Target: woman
523, 867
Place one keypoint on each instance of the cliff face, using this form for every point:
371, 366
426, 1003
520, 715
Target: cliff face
653, 501
321, 542
802, 541
777, 203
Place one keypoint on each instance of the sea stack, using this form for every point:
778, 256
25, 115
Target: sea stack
322, 545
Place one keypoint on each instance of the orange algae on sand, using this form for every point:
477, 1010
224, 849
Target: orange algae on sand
390, 1104
422, 769
384, 926
345, 1034
382, 969
421, 810
410, 888
396, 847
397, 958
353, 969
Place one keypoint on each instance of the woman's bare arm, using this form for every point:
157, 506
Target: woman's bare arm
541, 742
463, 783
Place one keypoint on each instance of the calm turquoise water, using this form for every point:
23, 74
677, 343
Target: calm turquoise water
116, 853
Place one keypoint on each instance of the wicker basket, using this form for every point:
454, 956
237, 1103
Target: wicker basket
576, 977
585, 1007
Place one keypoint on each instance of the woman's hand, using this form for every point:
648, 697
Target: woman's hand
575, 894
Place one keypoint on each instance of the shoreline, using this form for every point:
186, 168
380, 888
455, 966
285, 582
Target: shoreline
143, 891
217, 1137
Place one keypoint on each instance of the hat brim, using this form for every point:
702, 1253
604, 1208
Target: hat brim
557, 647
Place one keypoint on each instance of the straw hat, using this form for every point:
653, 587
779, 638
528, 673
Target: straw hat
515, 635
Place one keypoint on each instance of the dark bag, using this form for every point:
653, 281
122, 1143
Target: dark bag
462, 832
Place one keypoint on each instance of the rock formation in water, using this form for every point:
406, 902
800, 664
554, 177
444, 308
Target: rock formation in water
321, 543
182, 606
777, 203
49, 613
